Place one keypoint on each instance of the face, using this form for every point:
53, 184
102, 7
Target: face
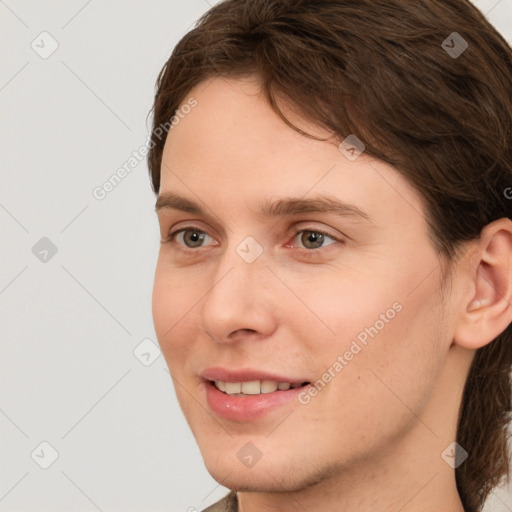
261, 282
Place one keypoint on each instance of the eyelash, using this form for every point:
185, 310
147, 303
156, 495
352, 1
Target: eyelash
307, 252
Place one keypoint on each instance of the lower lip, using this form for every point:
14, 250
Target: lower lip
249, 407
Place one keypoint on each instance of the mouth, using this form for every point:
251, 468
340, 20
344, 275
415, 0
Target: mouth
254, 387
249, 394
248, 401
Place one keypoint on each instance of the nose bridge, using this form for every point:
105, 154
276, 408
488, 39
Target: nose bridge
236, 299
240, 269
244, 262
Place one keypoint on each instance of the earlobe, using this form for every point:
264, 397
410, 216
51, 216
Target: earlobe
486, 311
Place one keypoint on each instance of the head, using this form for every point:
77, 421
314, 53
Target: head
260, 102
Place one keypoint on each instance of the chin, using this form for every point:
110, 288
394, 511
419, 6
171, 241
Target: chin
274, 475
250, 480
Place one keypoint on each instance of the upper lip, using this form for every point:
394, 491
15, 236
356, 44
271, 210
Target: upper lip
249, 374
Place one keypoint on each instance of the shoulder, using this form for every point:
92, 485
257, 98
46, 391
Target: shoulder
227, 504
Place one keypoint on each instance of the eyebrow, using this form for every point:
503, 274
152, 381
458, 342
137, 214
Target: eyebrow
280, 207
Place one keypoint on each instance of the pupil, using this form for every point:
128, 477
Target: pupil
196, 237
313, 238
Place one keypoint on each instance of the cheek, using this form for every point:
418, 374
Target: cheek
171, 308
347, 309
390, 355
379, 325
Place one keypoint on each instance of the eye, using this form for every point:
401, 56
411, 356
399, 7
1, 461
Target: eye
313, 238
190, 236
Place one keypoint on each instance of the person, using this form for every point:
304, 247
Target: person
333, 285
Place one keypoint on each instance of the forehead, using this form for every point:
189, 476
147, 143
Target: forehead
232, 116
233, 146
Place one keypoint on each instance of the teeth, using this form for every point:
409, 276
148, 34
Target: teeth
233, 387
253, 387
221, 385
267, 386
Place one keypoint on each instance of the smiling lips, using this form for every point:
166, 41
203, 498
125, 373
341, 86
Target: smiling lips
253, 387
249, 382
246, 395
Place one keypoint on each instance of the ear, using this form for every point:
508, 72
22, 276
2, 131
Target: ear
485, 308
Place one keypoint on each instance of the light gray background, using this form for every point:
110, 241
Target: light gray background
69, 376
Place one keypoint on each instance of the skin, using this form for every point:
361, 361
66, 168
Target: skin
372, 439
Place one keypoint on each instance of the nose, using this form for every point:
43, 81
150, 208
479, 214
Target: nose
239, 302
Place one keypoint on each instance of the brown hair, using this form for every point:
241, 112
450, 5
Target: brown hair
383, 70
